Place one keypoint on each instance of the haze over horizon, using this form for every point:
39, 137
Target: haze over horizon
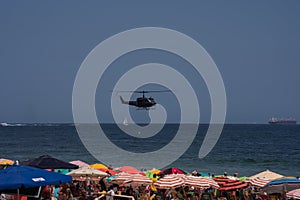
255, 46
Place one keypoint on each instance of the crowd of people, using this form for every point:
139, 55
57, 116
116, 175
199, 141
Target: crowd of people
82, 190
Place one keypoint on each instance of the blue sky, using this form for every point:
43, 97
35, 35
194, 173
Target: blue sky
255, 45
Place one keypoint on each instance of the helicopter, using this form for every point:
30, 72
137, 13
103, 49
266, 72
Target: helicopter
142, 102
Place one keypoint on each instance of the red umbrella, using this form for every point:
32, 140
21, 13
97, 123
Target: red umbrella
227, 184
110, 171
130, 170
172, 170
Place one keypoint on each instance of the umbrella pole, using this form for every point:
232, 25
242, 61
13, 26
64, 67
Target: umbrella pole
18, 192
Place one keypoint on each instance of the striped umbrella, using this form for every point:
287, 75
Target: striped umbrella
259, 182
140, 180
294, 194
122, 178
199, 181
169, 181
137, 179
227, 184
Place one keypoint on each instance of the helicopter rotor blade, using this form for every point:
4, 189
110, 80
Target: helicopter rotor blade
145, 91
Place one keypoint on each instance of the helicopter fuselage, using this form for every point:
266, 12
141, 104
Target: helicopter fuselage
141, 102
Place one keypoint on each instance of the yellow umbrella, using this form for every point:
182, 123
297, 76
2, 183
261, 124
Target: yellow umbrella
155, 171
98, 166
6, 162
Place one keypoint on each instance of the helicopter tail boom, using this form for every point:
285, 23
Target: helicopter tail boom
123, 101
132, 103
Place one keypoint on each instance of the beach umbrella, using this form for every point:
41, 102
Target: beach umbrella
130, 170
4, 161
294, 194
169, 181
16, 177
267, 174
109, 171
150, 173
172, 170
61, 171
85, 172
282, 185
140, 179
79, 163
133, 179
227, 184
259, 182
155, 171
99, 166
48, 162
198, 181
121, 178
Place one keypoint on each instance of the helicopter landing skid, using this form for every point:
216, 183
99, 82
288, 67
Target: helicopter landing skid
153, 108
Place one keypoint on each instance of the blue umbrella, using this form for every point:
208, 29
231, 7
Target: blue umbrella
16, 177
282, 185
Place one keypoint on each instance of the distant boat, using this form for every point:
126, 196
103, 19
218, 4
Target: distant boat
4, 124
125, 122
275, 120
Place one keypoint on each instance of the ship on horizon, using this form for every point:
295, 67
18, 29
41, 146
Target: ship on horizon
284, 121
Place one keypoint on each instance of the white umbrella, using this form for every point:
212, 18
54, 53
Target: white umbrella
87, 172
266, 175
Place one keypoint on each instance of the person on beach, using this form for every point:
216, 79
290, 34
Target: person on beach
110, 194
102, 183
206, 195
153, 190
55, 191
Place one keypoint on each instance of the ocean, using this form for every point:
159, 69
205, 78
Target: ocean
245, 149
